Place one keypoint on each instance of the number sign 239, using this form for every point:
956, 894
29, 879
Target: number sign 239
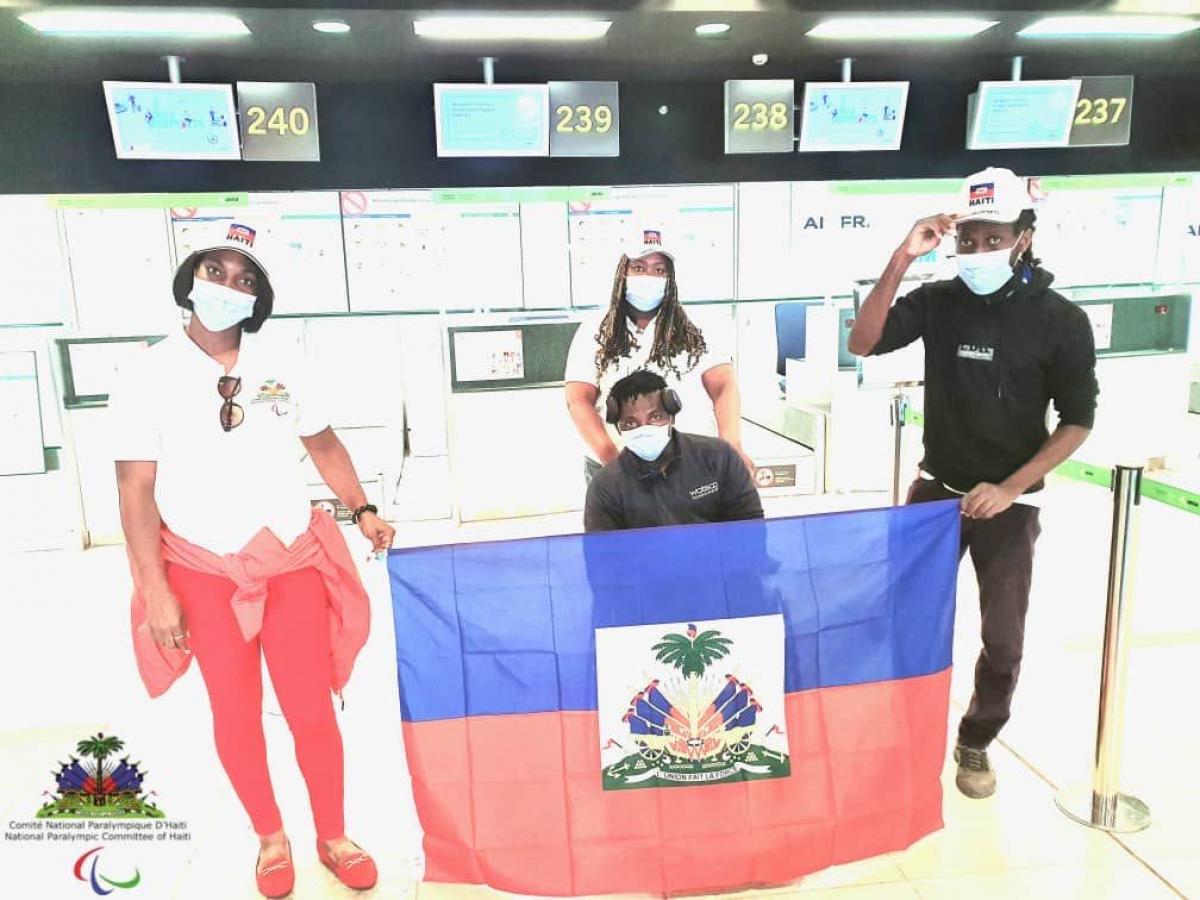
583, 119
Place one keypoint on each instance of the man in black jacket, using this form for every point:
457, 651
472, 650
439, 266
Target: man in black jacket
664, 476
1000, 346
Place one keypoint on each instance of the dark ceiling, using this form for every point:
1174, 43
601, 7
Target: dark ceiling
649, 41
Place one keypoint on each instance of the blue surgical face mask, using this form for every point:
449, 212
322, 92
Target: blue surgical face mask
219, 307
645, 292
985, 273
647, 442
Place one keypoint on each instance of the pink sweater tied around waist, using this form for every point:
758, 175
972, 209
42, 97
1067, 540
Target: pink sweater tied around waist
322, 547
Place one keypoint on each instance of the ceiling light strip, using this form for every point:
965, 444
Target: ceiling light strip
514, 28
899, 27
131, 23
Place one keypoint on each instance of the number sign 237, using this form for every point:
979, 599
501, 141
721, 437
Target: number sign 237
1100, 111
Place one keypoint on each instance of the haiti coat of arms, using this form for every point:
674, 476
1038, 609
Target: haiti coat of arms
96, 788
704, 707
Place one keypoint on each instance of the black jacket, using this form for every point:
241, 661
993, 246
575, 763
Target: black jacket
704, 481
992, 366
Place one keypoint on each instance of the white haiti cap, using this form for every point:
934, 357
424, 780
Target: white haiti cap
993, 195
647, 241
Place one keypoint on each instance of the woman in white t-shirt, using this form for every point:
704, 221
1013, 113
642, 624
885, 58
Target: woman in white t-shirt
646, 327
230, 562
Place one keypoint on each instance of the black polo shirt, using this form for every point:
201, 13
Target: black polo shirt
992, 366
697, 479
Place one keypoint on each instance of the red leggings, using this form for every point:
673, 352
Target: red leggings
295, 642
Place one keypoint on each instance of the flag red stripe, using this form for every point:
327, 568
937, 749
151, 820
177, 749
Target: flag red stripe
515, 801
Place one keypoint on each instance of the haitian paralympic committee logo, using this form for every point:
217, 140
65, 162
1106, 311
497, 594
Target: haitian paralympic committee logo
90, 789
684, 719
99, 801
94, 878
272, 391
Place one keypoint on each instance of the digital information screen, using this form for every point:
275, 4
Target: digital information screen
840, 116
492, 119
158, 120
1021, 114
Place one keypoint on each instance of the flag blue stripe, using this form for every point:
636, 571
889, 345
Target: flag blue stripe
509, 627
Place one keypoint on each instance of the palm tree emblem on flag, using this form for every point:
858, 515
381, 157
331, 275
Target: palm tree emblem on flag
694, 724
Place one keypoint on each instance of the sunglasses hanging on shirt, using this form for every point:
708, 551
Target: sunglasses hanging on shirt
232, 415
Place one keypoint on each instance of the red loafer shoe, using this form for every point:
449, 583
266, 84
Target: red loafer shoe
276, 878
357, 870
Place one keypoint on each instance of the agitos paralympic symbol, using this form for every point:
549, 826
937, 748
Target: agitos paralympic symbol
95, 879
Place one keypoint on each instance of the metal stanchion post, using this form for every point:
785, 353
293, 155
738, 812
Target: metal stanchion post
899, 409
1103, 806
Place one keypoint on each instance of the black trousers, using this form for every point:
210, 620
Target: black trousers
1002, 551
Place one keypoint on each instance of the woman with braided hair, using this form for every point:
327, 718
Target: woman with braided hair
646, 327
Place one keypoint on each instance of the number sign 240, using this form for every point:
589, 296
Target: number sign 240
293, 121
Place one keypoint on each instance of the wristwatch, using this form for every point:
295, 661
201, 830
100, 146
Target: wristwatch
365, 508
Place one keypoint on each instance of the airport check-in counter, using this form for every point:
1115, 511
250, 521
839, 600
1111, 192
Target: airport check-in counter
432, 442
842, 406
366, 409
847, 437
468, 419
822, 402
513, 450
783, 465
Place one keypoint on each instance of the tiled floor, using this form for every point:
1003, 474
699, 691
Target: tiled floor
79, 679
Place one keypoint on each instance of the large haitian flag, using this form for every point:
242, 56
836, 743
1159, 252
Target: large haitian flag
681, 709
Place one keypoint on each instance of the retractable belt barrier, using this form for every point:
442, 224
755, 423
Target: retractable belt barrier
1076, 470
1101, 805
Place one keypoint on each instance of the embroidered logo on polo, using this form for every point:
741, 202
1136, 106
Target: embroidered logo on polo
275, 393
976, 351
705, 490
272, 391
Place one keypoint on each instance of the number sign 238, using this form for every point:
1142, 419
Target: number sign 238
759, 116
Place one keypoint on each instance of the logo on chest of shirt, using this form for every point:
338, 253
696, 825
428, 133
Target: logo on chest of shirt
270, 391
275, 393
976, 351
705, 490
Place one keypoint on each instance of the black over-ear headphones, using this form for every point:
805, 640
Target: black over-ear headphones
670, 402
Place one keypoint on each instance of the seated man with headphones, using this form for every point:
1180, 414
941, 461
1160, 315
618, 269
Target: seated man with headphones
664, 476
